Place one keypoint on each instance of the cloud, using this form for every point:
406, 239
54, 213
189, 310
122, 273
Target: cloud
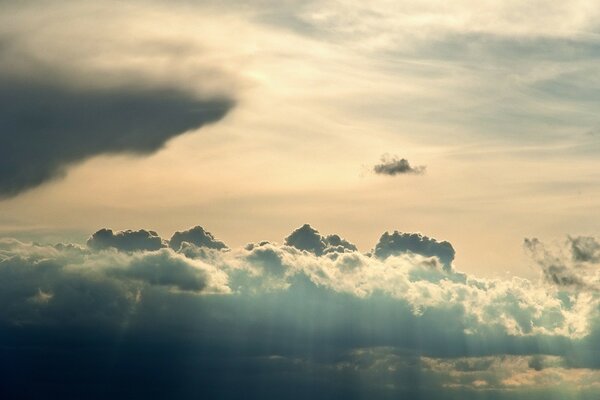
572, 265
196, 236
47, 126
307, 238
163, 268
232, 324
127, 240
398, 243
392, 165
585, 249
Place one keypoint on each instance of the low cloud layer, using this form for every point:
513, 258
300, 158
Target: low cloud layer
217, 322
393, 165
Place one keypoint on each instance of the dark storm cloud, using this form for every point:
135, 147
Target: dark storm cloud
45, 127
196, 236
397, 243
309, 239
127, 240
396, 166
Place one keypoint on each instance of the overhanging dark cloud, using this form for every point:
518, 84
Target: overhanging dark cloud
196, 236
46, 127
393, 165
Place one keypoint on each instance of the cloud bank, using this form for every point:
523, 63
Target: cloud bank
291, 320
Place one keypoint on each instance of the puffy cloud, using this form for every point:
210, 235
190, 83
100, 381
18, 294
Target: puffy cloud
396, 166
196, 236
398, 243
127, 240
309, 239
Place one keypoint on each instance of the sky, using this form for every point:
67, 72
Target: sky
336, 199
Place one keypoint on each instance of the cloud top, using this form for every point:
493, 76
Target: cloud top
127, 240
309, 239
271, 316
398, 243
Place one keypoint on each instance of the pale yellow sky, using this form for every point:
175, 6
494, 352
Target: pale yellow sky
498, 109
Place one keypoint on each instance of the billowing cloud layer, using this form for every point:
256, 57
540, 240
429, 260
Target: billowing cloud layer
218, 322
396, 166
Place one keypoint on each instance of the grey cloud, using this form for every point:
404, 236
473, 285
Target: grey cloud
398, 243
196, 236
309, 239
127, 240
585, 248
393, 165
45, 127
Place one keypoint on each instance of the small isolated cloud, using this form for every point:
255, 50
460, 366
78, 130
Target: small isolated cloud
393, 165
196, 236
309, 239
127, 240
